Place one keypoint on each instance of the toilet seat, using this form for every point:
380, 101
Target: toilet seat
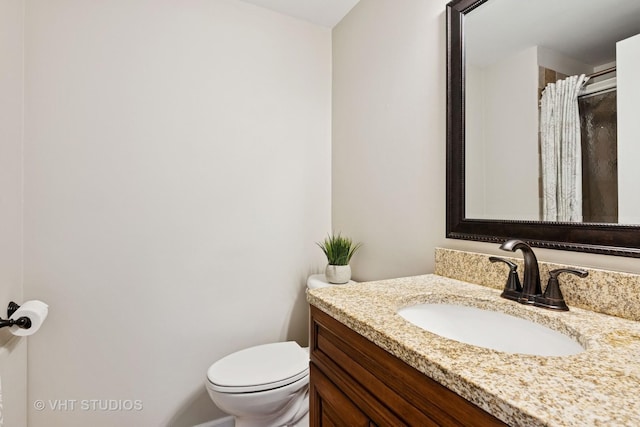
259, 368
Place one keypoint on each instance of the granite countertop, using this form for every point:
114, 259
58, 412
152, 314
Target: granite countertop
598, 387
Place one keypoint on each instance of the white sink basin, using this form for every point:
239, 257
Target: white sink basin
490, 329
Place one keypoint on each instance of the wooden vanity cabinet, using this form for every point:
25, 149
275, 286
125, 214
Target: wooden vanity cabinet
356, 383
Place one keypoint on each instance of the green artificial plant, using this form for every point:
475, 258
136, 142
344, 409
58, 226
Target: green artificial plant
338, 249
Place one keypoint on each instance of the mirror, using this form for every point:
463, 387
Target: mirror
502, 55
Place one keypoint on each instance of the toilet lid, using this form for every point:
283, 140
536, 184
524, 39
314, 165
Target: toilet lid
316, 281
259, 368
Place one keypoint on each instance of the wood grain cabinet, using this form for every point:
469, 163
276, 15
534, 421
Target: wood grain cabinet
356, 383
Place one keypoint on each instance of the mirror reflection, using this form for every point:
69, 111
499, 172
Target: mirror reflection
552, 131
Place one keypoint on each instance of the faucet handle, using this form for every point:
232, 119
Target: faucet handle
513, 288
552, 297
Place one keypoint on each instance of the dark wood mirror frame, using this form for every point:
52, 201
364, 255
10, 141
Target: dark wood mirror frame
609, 239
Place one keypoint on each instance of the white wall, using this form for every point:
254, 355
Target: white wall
177, 175
389, 141
475, 161
628, 69
13, 351
511, 145
505, 164
562, 63
388, 134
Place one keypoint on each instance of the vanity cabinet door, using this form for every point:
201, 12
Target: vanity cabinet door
351, 376
330, 407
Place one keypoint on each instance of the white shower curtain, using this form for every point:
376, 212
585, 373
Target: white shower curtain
561, 150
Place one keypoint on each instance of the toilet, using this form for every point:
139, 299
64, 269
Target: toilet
266, 385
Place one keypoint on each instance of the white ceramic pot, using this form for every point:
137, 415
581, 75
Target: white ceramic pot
338, 274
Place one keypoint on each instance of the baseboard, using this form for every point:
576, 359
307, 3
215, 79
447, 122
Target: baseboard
220, 422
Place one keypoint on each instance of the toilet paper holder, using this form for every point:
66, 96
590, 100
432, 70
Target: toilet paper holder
21, 322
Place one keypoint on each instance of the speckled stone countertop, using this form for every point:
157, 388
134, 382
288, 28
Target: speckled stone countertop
603, 291
598, 387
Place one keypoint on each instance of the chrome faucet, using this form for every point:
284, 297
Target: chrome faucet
531, 287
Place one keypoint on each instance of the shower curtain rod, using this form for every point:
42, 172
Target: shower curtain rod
601, 73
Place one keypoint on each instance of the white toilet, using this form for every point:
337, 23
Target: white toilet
266, 385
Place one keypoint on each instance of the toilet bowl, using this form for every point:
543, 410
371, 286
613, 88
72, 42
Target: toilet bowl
266, 385
262, 386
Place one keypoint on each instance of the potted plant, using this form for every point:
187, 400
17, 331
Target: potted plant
339, 251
